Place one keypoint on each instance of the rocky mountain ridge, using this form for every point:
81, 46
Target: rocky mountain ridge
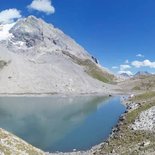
145, 73
38, 58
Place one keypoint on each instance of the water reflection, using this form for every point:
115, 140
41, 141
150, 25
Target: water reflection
55, 123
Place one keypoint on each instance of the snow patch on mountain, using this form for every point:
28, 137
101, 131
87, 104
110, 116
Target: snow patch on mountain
4, 31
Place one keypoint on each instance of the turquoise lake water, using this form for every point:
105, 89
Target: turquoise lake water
60, 123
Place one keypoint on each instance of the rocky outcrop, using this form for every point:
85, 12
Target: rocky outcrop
3, 63
145, 121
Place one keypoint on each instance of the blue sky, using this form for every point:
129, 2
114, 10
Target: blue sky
112, 30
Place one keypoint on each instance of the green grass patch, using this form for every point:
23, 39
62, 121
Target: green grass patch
136, 88
145, 83
144, 96
92, 69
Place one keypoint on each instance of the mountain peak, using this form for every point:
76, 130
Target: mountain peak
33, 20
28, 30
35, 33
125, 75
142, 73
32, 17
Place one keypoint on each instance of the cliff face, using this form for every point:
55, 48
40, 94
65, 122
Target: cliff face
35, 57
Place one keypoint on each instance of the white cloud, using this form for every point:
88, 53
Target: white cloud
9, 16
145, 63
43, 6
126, 61
127, 72
114, 67
124, 67
4, 31
140, 55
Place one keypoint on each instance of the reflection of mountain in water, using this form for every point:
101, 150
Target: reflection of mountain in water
45, 120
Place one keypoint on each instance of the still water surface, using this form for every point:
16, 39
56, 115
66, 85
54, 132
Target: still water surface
60, 123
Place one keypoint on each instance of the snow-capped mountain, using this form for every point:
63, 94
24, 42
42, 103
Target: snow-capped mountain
142, 73
125, 75
35, 57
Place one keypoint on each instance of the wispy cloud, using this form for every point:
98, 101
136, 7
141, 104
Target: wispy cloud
9, 16
115, 67
124, 67
42, 6
140, 55
126, 61
145, 63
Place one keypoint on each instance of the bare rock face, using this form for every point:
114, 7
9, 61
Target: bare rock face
35, 32
29, 30
42, 59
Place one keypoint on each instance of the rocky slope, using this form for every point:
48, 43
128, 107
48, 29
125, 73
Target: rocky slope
12, 145
35, 57
145, 121
142, 73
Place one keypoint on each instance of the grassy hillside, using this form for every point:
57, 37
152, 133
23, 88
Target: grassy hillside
92, 69
145, 83
139, 84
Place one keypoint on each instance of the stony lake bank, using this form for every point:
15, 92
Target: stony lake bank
131, 136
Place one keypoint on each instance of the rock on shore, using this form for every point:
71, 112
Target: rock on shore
145, 121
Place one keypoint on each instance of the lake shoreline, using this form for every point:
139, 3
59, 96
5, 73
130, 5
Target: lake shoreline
97, 147
62, 94
124, 139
